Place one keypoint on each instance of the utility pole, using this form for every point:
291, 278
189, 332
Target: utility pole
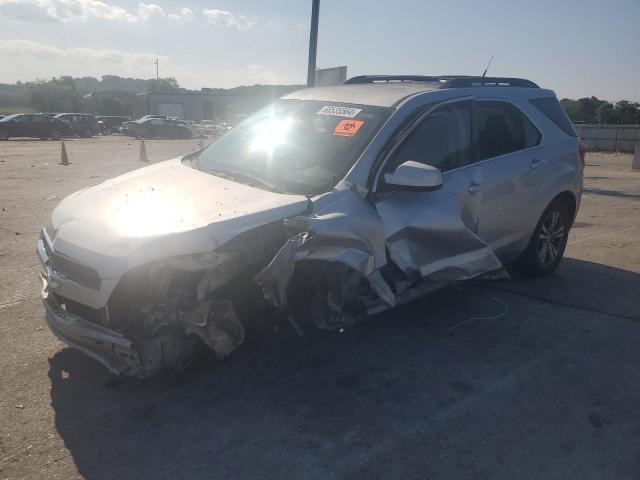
156, 63
313, 43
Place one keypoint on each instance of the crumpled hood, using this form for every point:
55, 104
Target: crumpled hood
162, 210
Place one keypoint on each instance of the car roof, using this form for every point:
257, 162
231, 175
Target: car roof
390, 90
374, 94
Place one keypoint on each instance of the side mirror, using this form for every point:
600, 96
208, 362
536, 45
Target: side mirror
413, 175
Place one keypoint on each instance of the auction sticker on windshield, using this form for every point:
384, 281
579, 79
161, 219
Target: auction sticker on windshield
348, 128
337, 111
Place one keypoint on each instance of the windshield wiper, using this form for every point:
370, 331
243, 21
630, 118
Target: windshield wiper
243, 178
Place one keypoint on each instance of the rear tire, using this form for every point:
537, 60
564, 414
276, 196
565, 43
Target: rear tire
546, 246
4, 135
88, 133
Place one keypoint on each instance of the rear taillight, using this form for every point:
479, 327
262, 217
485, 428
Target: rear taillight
582, 151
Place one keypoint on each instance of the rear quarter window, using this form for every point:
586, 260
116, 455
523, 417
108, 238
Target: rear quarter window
552, 109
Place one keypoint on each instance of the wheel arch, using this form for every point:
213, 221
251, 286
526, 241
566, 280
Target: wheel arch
570, 200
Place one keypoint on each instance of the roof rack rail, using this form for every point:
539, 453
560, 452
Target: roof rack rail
400, 78
446, 81
462, 82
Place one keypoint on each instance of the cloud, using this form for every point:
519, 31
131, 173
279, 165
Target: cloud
82, 11
26, 59
149, 11
184, 16
227, 19
63, 10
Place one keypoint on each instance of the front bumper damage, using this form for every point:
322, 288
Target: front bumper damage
107, 346
144, 358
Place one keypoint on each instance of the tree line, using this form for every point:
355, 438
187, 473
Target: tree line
114, 95
594, 110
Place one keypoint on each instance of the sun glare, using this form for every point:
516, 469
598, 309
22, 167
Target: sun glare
270, 134
150, 212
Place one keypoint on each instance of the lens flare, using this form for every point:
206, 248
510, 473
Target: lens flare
149, 212
270, 134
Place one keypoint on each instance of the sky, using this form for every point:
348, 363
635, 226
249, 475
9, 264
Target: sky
577, 48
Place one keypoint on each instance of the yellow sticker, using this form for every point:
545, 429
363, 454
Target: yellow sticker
348, 128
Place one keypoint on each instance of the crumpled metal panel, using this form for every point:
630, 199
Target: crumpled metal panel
431, 237
344, 228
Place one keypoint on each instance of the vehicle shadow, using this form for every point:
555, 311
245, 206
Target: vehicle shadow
391, 397
610, 193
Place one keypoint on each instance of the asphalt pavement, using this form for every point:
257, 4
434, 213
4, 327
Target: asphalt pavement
516, 379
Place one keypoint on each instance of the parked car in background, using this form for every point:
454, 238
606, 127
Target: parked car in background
112, 123
82, 124
147, 117
35, 125
153, 127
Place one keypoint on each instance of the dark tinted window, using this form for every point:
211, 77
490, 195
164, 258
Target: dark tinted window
502, 129
554, 112
39, 119
23, 119
442, 140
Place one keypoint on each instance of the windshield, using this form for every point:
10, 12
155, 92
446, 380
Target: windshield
294, 146
9, 117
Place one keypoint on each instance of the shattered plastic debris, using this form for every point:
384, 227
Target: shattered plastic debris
216, 324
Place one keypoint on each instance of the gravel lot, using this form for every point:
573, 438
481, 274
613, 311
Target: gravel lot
548, 390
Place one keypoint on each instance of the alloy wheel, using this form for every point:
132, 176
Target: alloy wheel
550, 238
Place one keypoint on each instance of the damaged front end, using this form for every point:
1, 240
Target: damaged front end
160, 313
337, 262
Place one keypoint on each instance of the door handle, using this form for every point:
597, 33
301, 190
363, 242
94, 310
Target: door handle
537, 163
474, 187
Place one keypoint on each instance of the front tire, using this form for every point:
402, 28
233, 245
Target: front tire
55, 134
4, 135
548, 242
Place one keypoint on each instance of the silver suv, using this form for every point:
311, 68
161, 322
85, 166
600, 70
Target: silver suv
329, 205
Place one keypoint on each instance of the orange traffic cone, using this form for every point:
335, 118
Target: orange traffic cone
143, 152
64, 159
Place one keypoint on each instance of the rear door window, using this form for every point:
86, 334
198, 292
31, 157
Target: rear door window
502, 129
